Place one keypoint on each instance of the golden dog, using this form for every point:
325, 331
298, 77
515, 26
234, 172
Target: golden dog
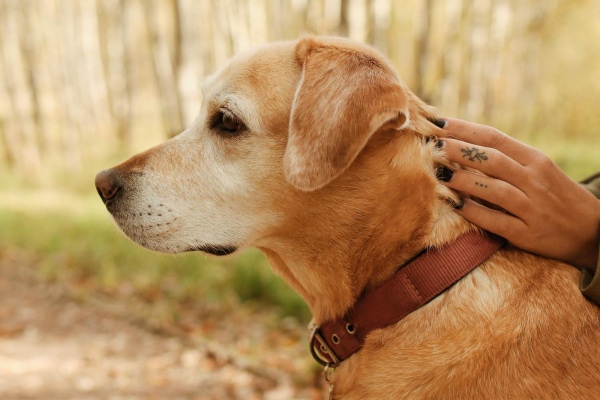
315, 152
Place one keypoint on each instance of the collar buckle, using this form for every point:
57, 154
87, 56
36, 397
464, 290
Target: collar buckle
321, 351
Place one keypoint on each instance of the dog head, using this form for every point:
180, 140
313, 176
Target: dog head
279, 129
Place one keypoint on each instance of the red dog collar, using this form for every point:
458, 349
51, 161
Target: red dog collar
411, 287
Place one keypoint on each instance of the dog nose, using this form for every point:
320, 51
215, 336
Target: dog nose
107, 185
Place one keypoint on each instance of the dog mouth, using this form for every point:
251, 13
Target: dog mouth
161, 243
155, 227
214, 250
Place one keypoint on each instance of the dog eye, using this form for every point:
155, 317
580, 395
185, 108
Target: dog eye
227, 122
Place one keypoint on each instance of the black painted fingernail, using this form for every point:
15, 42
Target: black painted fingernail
444, 174
440, 123
456, 205
459, 205
440, 143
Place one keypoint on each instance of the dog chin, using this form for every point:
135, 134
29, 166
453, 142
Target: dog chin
161, 242
163, 247
215, 250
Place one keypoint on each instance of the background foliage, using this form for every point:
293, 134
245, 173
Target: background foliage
87, 79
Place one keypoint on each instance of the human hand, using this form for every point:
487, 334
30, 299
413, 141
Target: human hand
543, 210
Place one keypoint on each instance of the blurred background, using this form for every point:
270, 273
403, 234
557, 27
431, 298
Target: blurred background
84, 84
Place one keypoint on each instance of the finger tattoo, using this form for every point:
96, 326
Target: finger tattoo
473, 154
483, 185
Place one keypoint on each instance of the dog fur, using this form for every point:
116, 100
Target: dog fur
331, 176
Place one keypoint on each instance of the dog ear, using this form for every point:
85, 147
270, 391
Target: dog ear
344, 96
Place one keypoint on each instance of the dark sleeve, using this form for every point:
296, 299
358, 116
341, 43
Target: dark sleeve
590, 280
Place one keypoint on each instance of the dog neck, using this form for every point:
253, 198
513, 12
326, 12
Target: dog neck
360, 228
411, 287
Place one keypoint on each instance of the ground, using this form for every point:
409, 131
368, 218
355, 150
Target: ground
54, 345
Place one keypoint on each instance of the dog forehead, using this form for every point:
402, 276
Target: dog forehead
257, 85
254, 67
256, 70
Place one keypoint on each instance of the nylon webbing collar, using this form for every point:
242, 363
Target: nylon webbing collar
411, 287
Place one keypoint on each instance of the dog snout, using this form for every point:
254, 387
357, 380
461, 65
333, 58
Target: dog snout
108, 185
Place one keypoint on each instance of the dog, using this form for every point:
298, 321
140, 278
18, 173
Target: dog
316, 153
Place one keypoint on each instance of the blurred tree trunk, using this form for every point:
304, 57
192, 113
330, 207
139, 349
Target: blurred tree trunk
222, 36
7, 114
526, 46
163, 25
477, 79
450, 63
500, 21
193, 57
20, 102
344, 28
116, 74
358, 20
379, 12
421, 48
72, 71
6, 157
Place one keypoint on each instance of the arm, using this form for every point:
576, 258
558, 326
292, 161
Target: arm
542, 210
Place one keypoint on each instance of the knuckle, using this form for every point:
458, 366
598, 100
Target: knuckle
512, 199
541, 161
522, 205
494, 137
503, 193
511, 229
504, 227
495, 156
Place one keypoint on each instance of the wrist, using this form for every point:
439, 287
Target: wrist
590, 254
589, 261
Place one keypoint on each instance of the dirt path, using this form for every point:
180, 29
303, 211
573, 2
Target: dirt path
53, 347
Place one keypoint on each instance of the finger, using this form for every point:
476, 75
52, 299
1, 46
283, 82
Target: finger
487, 136
495, 191
490, 161
493, 221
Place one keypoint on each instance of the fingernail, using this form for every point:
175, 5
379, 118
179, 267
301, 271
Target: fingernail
456, 205
440, 144
444, 174
440, 123
459, 205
